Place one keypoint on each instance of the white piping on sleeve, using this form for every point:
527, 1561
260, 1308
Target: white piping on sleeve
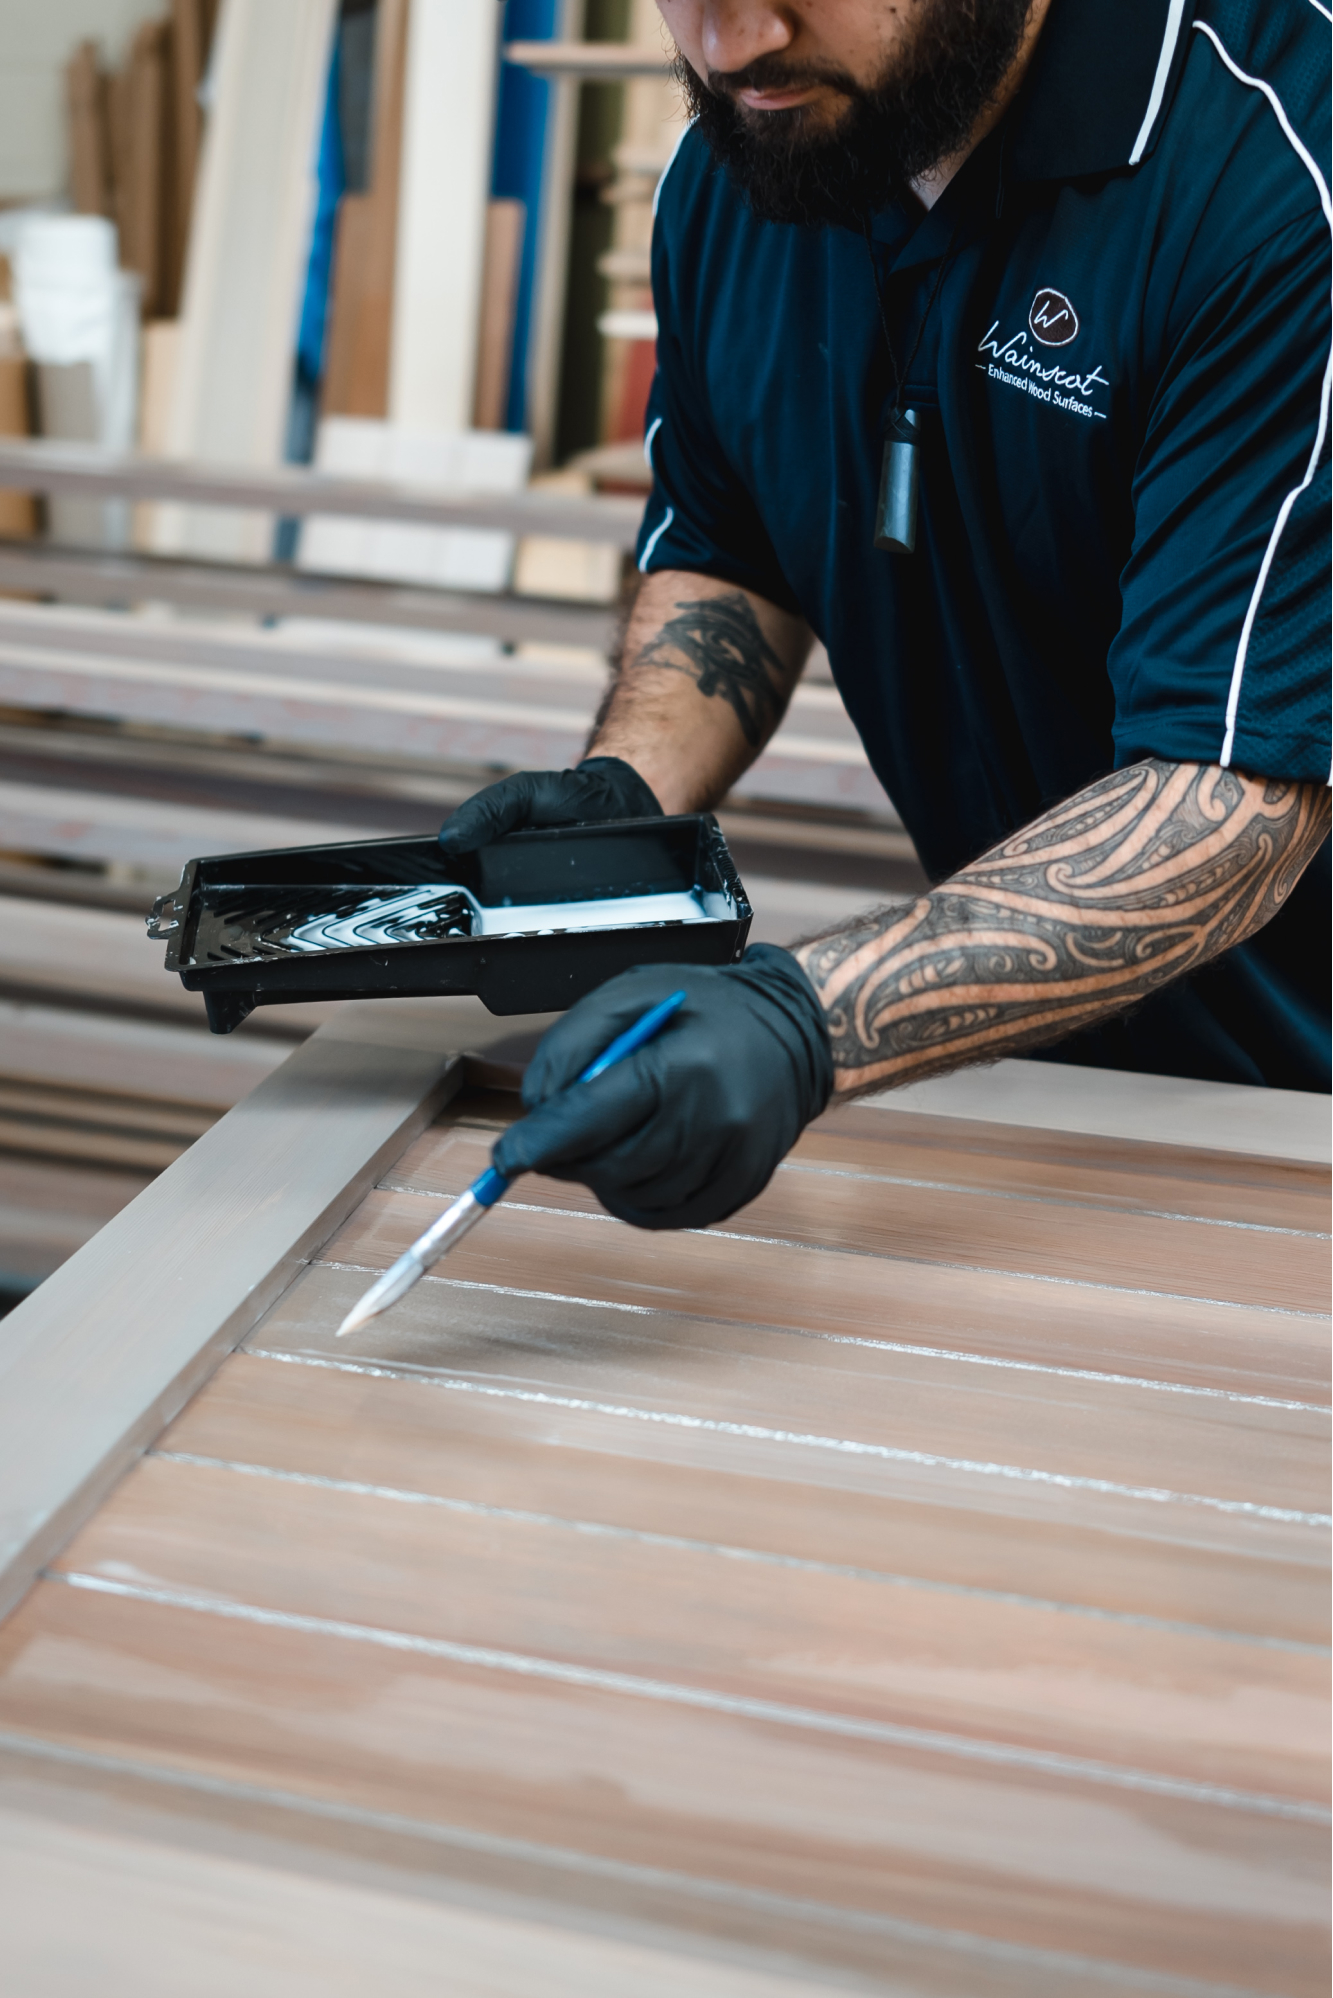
1284, 511
654, 538
670, 514
1175, 14
1321, 10
661, 178
1258, 83
1284, 514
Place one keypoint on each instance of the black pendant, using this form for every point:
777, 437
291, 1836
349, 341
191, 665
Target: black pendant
895, 516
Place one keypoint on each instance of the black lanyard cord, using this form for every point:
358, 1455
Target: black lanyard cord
899, 378
899, 479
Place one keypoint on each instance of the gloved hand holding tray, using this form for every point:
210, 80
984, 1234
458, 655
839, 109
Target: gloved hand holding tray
528, 924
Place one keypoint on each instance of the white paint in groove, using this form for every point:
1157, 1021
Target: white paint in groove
541, 1296
916, 1262
762, 1557
852, 1339
563, 1859
885, 1734
754, 1432
1049, 1200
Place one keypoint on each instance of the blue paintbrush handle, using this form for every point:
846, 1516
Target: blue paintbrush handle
492, 1185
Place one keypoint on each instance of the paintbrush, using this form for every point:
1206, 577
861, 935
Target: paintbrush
486, 1189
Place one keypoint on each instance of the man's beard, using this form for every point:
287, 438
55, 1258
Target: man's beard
918, 113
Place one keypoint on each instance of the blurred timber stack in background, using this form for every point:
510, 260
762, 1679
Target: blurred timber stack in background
317, 502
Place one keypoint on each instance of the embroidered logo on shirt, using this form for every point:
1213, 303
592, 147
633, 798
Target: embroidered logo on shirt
1052, 319
1016, 366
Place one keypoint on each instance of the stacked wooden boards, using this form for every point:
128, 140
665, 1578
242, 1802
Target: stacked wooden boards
917, 1584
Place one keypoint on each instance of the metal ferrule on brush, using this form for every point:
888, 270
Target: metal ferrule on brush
411, 1266
489, 1186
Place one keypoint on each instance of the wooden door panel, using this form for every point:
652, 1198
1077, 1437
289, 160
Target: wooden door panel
1264, 1579
1169, 1883
913, 1654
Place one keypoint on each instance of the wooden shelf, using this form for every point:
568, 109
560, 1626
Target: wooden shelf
588, 62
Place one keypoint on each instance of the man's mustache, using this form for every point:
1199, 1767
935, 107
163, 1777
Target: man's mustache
773, 73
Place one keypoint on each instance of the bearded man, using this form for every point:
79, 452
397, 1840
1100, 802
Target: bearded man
993, 349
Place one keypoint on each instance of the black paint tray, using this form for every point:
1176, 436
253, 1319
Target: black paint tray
529, 924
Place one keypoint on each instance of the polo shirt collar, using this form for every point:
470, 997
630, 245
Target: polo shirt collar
1093, 101
1101, 78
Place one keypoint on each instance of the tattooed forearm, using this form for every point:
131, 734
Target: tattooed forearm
1137, 880
717, 641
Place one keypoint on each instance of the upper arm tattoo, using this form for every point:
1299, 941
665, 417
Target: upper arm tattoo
1135, 881
718, 642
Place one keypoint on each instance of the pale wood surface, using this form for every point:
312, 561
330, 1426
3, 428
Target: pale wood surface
248, 245
447, 122
145, 1906
918, 1582
1061, 1096
88, 1367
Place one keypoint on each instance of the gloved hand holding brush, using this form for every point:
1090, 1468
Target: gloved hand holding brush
692, 1126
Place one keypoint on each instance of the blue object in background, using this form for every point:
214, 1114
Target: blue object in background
332, 179
521, 120
312, 327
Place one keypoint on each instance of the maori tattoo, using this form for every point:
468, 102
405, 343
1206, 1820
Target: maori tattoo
1135, 881
718, 642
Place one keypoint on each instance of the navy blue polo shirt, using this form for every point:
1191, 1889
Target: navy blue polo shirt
1121, 383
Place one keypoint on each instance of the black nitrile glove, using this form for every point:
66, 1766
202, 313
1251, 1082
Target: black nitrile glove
692, 1126
602, 787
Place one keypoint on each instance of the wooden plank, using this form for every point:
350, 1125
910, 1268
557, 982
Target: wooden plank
189, 53
1132, 1175
588, 62
539, 1454
360, 336
826, 1207
152, 1910
249, 240
1186, 1705
263, 591
1010, 1850
49, 1211
1115, 1329
17, 513
141, 832
85, 114
60, 468
56, 1046
101, 960
450, 59
88, 1376
138, 101
552, 223
1043, 1442
113, 1112
505, 223
508, 714
1112, 1103
58, 1788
